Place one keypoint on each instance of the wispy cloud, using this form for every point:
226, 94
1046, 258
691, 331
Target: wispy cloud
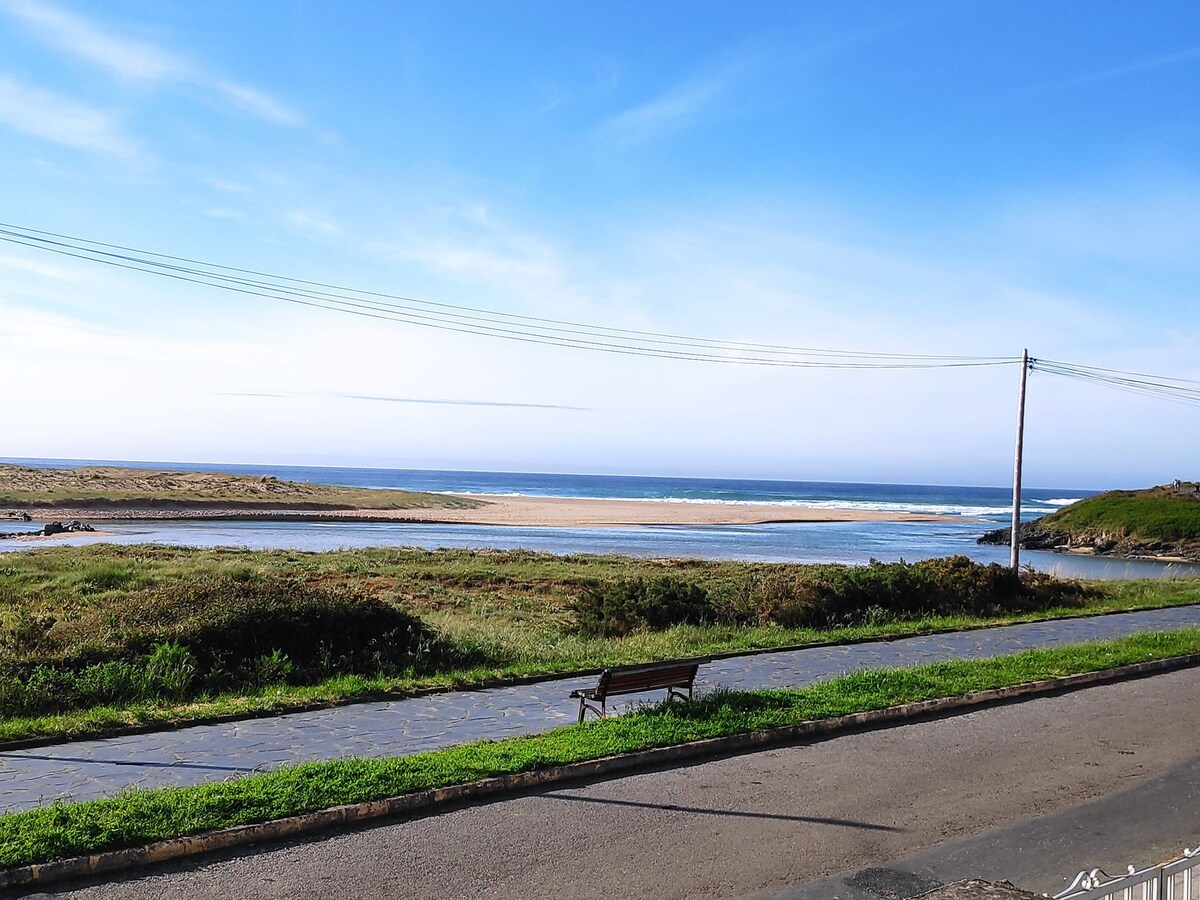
77, 37
229, 187
313, 222
514, 268
257, 103
61, 120
1155, 62
495, 403
424, 401
141, 60
17, 264
220, 212
480, 248
672, 109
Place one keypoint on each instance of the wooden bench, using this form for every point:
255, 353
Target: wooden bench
676, 678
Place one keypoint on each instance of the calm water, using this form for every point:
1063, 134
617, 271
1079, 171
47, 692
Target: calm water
979, 508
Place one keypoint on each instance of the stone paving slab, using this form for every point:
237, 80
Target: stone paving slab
88, 769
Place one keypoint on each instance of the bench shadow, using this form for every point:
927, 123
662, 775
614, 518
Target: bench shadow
735, 813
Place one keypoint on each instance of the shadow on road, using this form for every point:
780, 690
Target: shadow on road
671, 807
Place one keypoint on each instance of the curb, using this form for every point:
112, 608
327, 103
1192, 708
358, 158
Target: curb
489, 789
520, 680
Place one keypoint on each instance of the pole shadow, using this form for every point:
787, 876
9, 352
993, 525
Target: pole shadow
735, 813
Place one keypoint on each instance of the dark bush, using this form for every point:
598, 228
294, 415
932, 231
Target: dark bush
836, 595
639, 604
226, 632
825, 596
233, 623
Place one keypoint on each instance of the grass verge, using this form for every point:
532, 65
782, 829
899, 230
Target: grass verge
139, 817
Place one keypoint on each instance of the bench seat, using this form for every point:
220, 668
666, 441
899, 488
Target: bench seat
675, 678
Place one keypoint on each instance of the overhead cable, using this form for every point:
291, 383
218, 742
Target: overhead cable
475, 320
1163, 387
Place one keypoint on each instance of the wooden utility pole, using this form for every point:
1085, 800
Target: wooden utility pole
1014, 557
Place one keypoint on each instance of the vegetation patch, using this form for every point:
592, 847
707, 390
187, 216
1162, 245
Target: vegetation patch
638, 604
192, 636
1159, 514
138, 817
824, 596
98, 639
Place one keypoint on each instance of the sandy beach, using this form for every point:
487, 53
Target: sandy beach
550, 512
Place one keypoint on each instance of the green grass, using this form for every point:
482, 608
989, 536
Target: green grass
138, 817
1158, 514
82, 624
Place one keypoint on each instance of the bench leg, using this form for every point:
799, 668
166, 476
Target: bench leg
600, 712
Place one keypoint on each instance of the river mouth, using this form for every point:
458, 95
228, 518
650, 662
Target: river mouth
855, 543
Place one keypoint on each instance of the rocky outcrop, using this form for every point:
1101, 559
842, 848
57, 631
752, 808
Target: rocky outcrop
51, 528
1032, 536
1036, 536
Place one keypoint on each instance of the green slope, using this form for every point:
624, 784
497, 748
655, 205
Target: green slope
1164, 513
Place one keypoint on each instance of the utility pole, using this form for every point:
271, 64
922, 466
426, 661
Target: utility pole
1015, 547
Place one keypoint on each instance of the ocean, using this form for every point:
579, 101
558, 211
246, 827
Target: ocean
978, 508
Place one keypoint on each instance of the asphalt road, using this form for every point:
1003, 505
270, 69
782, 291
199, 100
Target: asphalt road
1032, 792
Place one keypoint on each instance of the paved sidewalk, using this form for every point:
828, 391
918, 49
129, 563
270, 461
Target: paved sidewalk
88, 769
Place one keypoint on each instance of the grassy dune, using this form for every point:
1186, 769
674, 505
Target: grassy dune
107, 486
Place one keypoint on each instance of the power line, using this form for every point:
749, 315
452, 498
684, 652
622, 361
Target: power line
1102, 371
1160, 387
474, 320
30, 234
479, 321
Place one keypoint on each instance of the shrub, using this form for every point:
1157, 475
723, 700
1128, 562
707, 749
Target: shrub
825, 596
170, 670
116, 681
45, 688
215, 632
832, 596
274, 668
231, 622
640, 603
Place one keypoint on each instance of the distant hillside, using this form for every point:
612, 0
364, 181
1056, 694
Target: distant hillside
1158, 521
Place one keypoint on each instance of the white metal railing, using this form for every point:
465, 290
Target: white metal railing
1174, 880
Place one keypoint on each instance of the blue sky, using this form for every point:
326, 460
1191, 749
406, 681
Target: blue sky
899, 177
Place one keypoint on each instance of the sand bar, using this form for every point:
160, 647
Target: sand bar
550, 512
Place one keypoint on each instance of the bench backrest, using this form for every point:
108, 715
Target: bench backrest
645, 678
